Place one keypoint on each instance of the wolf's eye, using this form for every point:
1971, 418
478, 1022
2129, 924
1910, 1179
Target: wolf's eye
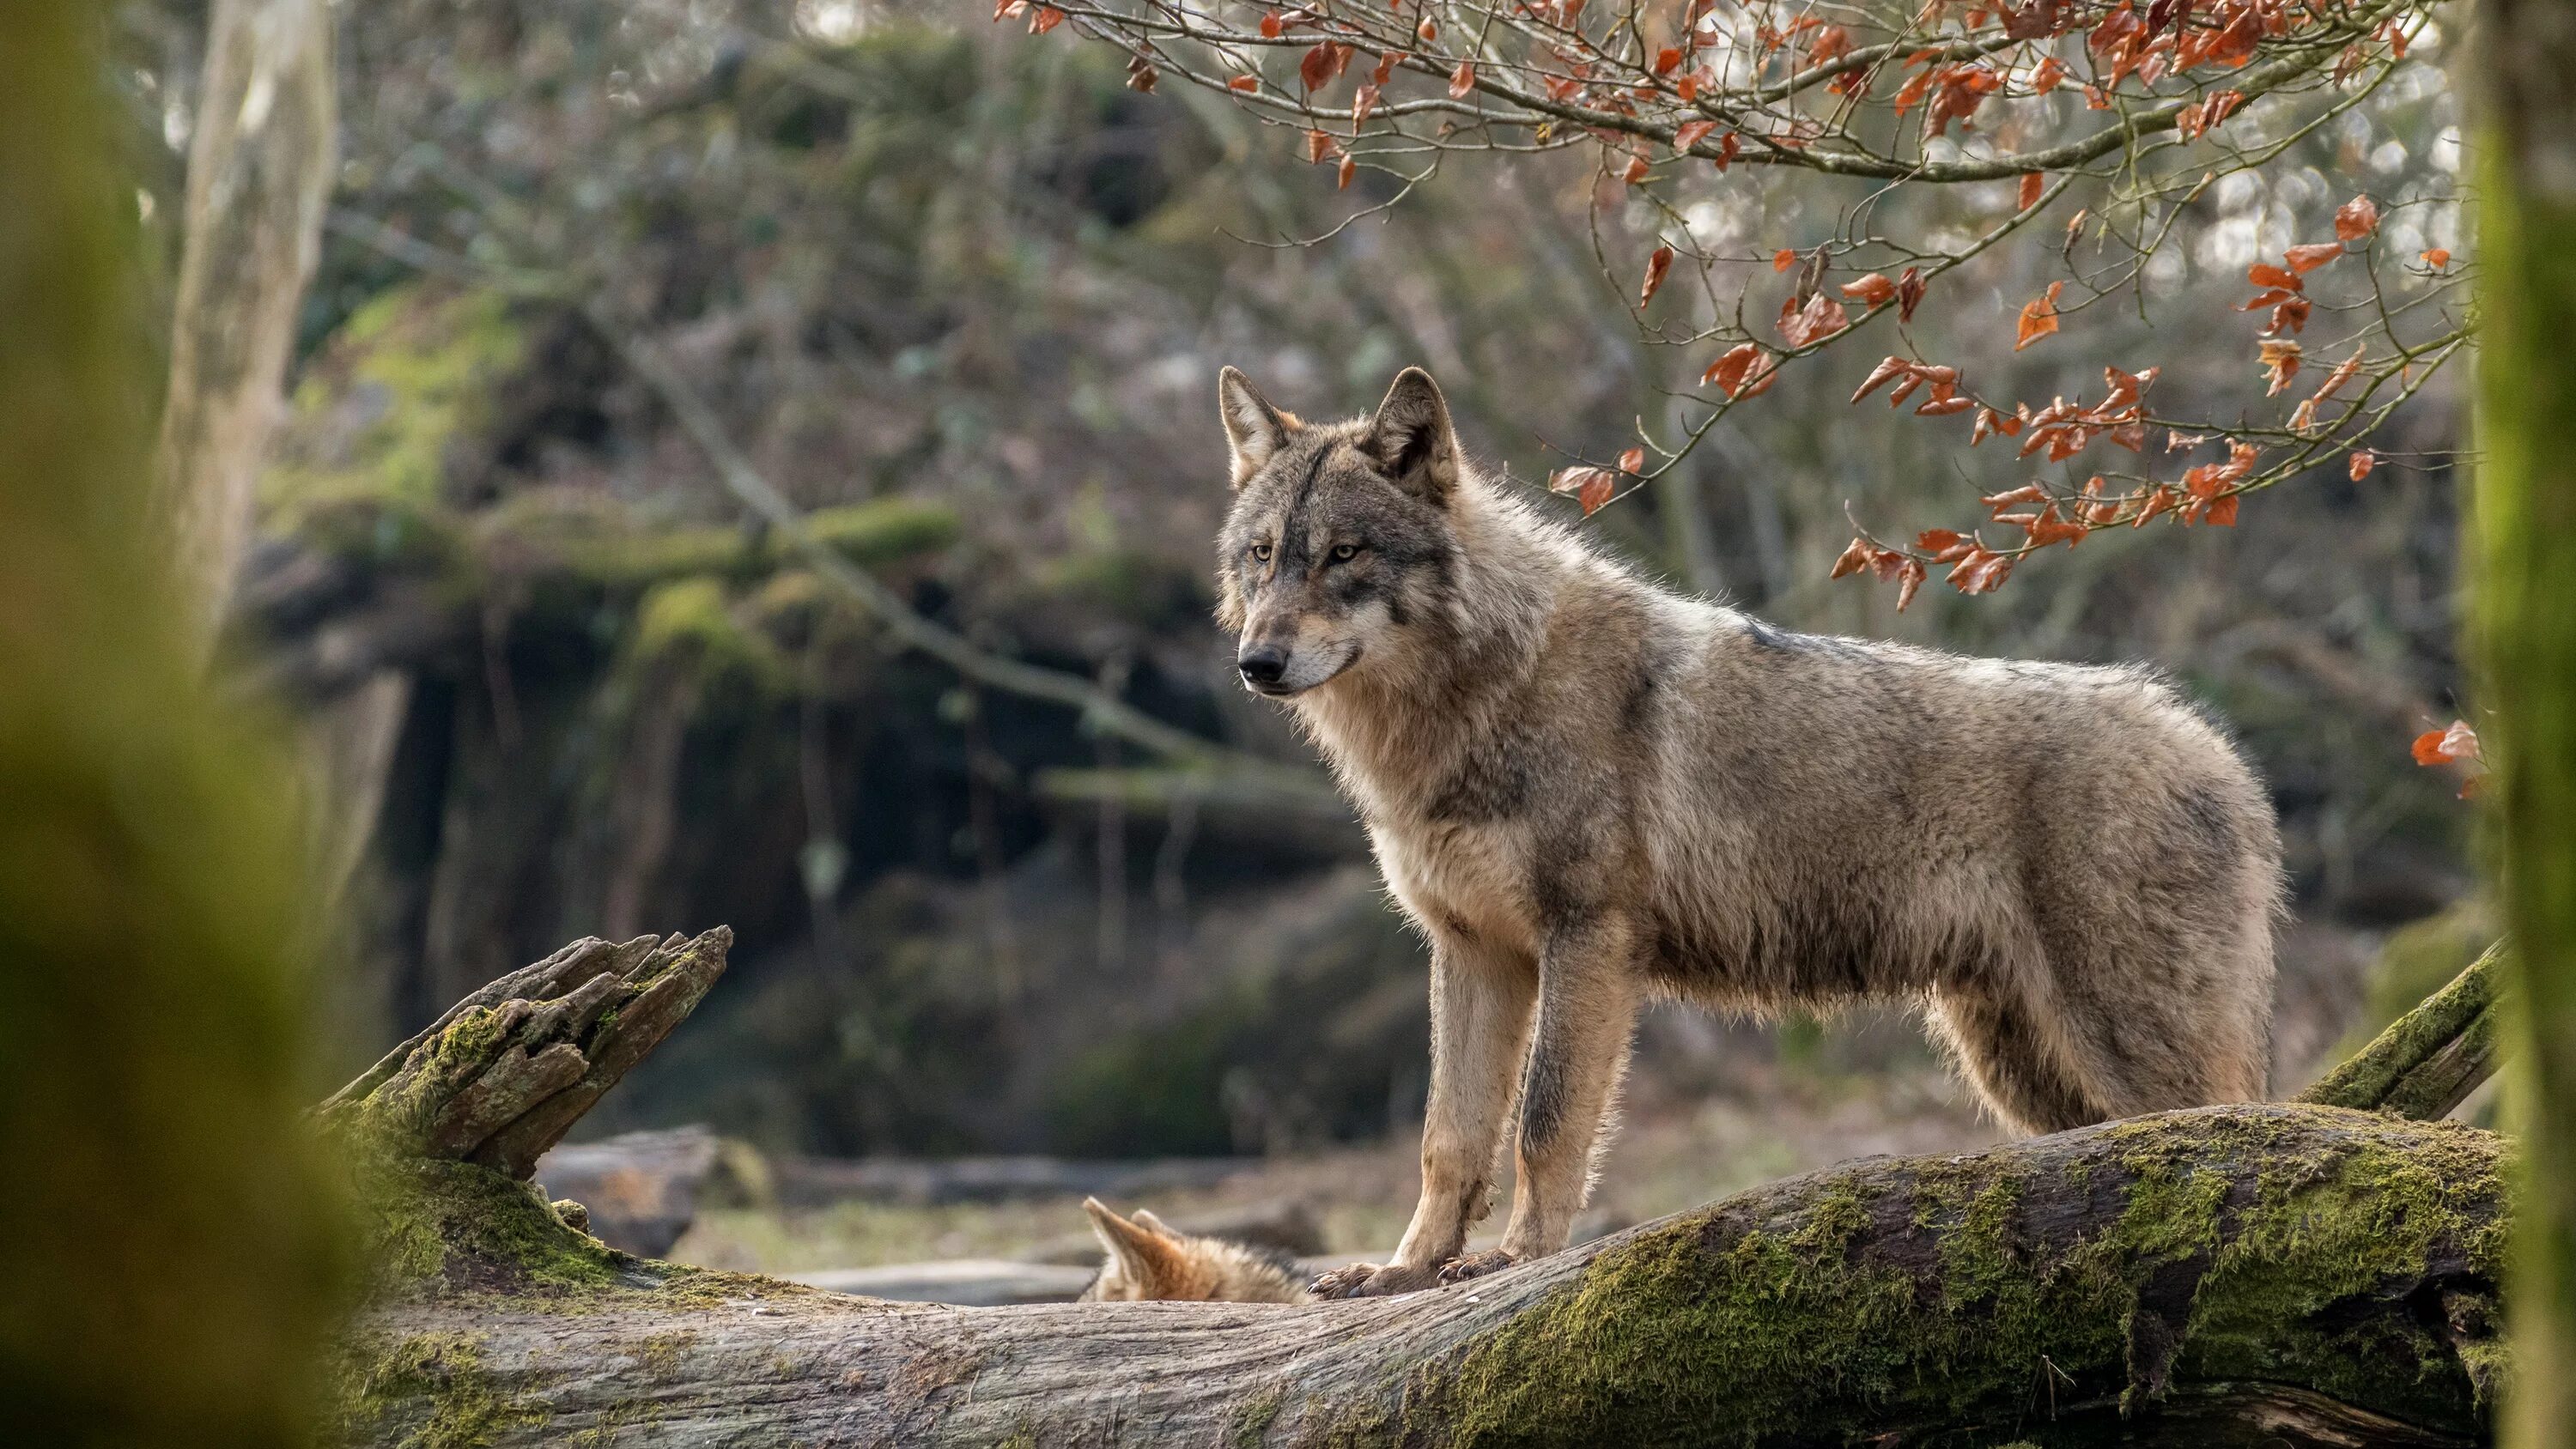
1344, 553
1261, 553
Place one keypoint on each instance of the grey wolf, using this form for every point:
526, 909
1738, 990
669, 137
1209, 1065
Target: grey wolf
1587, 790
1147, 1260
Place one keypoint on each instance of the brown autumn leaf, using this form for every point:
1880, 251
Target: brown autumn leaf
1462, 80
1589, 486
2454, 745
1272, 25
1874, 290
2356, 219
1855, 558
1691, 133
1047, 18
1909, 577
2343, 373
1317, 67
2032, 184
1729, 371
2279, 359
1343, 173
1822, 317
1244, 83
1426, 32
1668, 60
1318, 146
2038, 317
1633, 461
2312, 256
1783, 259
1636, 172
2437, 258
1893, 367
1659, 262
1909, 293
2363, 460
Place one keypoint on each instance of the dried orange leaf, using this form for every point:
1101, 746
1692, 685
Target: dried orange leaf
1874, 290
2309, 258
2038, 317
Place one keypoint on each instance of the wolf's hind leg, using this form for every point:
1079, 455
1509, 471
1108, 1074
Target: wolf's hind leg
2012, 1060
2183, 1021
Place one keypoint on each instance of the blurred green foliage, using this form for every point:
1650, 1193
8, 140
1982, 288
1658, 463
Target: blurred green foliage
169, 1245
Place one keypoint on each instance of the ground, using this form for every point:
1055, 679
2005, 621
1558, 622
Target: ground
1671, 1154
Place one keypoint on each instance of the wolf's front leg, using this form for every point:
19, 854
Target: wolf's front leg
1587, 1010
1480, 1016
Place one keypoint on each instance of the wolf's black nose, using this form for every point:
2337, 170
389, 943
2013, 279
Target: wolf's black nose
1263, 663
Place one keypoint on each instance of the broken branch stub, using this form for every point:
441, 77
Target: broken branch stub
2429, 1060
507, 1071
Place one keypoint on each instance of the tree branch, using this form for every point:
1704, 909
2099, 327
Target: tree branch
2429, 1060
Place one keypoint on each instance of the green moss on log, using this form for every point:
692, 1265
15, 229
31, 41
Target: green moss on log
1878, 1296
380, 1378
408, 376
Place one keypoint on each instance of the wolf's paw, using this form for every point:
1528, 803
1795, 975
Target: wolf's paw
1371, 1280
1475, 1265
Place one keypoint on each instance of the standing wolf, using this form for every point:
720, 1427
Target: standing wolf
1587, 790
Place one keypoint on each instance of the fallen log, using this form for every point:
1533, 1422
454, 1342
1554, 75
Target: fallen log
2279, 1274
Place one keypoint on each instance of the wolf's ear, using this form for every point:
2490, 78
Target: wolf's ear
1145, 1259
1412, 438
1151, 1223
1253, 428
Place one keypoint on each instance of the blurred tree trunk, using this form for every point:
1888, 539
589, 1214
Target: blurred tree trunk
259, 174
166, 1234
2525, 523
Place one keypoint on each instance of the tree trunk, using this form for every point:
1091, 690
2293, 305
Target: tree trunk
259, 174
2525, 637
2289, 1274
170, 1254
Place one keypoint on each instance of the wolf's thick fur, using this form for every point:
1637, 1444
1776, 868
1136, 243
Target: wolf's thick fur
1588, 790
1147, 1260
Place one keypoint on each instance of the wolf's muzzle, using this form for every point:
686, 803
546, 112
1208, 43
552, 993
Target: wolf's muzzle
1263, 665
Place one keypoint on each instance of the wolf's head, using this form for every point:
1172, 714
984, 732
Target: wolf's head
1340, 535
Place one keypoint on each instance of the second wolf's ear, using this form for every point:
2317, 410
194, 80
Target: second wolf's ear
1145, 1258
1253, 428
1412, 438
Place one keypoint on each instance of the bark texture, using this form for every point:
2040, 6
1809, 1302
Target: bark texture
259, 174
506, 1072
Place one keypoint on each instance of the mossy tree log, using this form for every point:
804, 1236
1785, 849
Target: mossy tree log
2290, 1274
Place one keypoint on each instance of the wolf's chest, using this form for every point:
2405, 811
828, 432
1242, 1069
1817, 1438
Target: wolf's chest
1469, 879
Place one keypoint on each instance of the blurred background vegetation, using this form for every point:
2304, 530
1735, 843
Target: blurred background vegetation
962, 295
